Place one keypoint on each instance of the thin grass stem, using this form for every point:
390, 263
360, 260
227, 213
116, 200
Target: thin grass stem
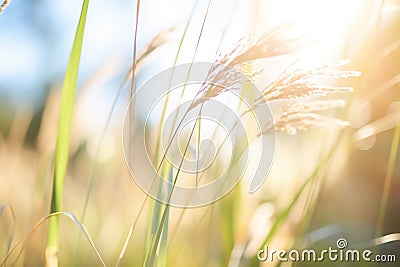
388, 181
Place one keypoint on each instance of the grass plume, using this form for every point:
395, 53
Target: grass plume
299, 83
231, 69
301, 117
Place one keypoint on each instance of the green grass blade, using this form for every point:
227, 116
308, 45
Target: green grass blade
170, 82
152, 205
156, 208
286, 212
64, 132
159, 226
289, 208
151, 255
162, 257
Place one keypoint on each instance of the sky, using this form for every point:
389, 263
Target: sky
36, 38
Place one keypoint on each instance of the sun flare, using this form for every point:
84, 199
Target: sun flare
325, 23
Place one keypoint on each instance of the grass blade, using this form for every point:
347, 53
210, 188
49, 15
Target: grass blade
11, 236
134, 223
158, 235
286, 212
299, 193
25, 240
63, 137
151, 255
388, 181
162, 257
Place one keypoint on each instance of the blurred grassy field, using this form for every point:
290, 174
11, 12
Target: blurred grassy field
323, 184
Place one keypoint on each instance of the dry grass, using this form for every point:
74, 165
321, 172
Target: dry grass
4, 5
301, 83
230, 231
301, 117
231, 69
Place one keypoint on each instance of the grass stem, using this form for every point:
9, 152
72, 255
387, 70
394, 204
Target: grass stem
388, 181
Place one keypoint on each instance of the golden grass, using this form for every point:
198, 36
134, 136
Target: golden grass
4, 5
227, 232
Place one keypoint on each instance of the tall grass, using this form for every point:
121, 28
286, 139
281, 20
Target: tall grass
63, 137
217, 234
159, 234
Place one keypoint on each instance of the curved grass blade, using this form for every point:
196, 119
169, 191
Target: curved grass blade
379, 241
64, 133
25, 240
11, 236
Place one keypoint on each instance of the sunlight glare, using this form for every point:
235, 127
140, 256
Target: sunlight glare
325, 23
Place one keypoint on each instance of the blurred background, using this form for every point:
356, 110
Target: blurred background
323, 185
